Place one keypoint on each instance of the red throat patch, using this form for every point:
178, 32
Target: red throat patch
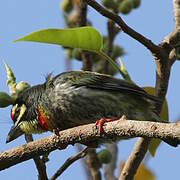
12, 115
42, 119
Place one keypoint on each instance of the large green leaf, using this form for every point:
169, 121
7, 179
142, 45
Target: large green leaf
164, 117
86, 38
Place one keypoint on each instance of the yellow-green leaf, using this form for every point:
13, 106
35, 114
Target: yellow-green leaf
154, 144
86, 38
164, 117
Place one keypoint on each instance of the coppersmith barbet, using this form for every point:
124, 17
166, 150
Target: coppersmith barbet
76, 98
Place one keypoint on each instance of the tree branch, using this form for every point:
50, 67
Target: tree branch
164, 54
40, 165
89, 133
87, 172
128, 30
110, 167
135, 159
176, 9
93, 164
81, 9
68, 162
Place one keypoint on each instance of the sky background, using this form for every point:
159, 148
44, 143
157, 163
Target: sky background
32, 61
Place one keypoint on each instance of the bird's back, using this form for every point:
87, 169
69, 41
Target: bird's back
79, 97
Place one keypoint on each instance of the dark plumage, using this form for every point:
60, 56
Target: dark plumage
78, 97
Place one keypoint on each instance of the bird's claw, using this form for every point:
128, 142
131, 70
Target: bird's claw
100, 122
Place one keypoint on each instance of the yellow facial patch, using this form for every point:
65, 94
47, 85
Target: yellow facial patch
31, 127
22, 111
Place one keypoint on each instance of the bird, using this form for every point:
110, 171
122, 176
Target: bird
77, 98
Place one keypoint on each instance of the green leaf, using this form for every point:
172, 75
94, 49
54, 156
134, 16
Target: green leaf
5, 100
164, 117
86, 38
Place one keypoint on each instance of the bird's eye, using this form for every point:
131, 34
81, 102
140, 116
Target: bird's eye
15, 111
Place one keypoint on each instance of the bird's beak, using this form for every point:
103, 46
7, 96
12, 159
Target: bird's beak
14, 133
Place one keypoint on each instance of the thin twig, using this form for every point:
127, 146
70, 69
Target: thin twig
83, 162
81, 8
128, 30
68, 162
111, 35
176, 10
93, 164
110, 167
40, 165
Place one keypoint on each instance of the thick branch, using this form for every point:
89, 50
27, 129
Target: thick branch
128, 30
89, 133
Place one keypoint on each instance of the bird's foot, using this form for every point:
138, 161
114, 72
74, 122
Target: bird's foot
100, 122
55, 138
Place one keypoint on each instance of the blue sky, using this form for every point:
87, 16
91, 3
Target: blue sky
31, 62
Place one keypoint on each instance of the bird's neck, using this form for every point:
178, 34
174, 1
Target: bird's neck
44, 119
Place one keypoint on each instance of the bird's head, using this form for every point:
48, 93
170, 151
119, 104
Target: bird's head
25, 121
17, 115
27, 115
